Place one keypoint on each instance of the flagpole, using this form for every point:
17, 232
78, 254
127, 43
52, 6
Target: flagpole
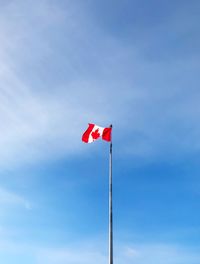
110, 207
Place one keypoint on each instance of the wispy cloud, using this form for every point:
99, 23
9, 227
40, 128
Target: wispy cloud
159, 253
32, 121
8, 198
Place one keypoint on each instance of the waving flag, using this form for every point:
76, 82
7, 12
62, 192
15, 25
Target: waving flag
94, 132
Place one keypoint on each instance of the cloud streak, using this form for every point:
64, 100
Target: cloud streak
8, 198
160, 253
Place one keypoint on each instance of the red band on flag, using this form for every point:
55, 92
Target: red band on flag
107, 134
87, 133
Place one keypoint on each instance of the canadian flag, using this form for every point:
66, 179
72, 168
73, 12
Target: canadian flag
94, 132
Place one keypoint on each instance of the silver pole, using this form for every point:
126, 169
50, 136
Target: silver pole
110, 208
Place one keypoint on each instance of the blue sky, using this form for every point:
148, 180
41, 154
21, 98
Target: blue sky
134, 64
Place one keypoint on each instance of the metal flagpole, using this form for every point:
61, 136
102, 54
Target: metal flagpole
110, 207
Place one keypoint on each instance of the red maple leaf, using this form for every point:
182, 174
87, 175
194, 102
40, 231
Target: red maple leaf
95, 134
